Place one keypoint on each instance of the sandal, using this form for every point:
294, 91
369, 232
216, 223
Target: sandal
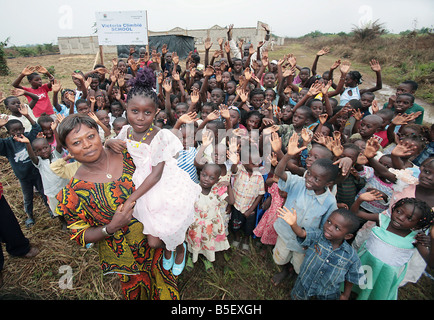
177, 268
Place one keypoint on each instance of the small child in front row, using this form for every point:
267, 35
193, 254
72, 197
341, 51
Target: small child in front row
207, 233
329, 260
392, 243
249, 189
20, 162
42, 156
311, 197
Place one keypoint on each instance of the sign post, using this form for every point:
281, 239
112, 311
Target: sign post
122, 28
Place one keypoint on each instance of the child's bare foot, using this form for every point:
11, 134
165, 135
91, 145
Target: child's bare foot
279, 277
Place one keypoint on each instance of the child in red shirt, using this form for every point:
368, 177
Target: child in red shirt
41, 90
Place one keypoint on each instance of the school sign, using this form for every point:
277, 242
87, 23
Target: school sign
122, 28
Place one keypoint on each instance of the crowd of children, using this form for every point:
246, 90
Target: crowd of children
244, 147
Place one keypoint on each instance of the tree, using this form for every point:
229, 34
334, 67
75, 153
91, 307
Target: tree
4, 69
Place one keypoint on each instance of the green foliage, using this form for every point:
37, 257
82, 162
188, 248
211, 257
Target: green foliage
4, 69
369, 31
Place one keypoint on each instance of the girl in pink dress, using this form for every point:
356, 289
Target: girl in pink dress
165, 194
265, 229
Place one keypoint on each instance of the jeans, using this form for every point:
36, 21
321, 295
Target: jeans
27, 185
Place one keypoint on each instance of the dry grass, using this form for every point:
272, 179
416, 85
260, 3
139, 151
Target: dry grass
236, 274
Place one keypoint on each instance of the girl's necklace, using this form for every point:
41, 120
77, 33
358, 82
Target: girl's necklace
146, 134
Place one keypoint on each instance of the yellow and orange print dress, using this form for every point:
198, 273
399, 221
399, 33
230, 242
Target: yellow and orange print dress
89, 204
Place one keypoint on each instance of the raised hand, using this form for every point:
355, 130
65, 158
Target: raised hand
41, 69
21, 138
276, 142
188, 117
23, 110
306, 135
375, 107
290, 217
17, 92
375, 66
3, 120
345, 66
57, 86
323, 118
336, 64
371, 148
28, 70
323, 51
293, 148
224, 111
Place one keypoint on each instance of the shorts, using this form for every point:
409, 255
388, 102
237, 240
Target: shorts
282, 255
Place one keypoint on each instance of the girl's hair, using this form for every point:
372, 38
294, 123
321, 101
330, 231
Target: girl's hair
74, 121
427, 213
143, 84
356, 76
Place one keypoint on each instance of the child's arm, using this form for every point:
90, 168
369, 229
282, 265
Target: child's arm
290, 217
54, 125
55, 100
292, 150
233, 155
371, 148
367, 196
425, 246
348, 286
231, 197
320, 53
167, 86
253, 207
64, 169
26, 141
26, 71
345, 68
19, 92
25, 113
375, 66
199, 160
102, 125
186, 118
403, 149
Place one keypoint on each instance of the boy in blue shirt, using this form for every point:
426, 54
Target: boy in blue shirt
19, 159
311, 197
329, 260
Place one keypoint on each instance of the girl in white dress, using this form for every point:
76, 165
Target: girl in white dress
165, 194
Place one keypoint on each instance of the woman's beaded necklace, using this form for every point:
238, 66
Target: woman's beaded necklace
147, 133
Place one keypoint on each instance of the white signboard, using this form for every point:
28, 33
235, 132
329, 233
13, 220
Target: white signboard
122, 28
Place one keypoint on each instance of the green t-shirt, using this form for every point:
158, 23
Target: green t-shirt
414, 108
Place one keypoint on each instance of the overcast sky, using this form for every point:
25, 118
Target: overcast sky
32, 22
